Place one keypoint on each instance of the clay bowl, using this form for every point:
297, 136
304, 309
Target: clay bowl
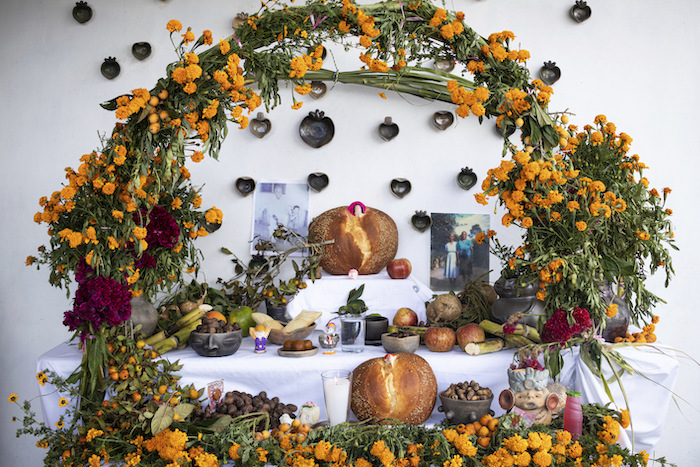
278, 336
406, 344
460, 411
216, 344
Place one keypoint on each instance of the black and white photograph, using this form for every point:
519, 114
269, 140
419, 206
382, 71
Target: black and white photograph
280, 203
455, 257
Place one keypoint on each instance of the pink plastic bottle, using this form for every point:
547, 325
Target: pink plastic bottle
573, 416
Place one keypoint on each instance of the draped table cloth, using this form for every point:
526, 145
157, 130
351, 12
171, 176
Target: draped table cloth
298, 380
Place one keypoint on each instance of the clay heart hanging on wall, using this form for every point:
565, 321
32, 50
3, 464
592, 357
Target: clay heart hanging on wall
316, 129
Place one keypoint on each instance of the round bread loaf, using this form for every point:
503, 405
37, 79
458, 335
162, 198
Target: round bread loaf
364, 239
400, 386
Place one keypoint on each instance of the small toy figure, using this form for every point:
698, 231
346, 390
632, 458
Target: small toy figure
260, 333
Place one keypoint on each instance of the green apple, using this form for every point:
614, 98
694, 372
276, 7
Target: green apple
243, 315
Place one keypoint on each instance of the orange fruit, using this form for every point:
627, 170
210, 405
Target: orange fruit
163, 94
484, 420
217, 315
124, 374
154, 101
140, 344
194, 394
493, 424
483, 441
483, 432
136, 396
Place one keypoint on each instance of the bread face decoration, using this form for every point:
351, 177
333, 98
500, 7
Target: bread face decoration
397, 386
364, 239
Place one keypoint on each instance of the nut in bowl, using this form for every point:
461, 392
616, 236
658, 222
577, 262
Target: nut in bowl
400, 342
465, 402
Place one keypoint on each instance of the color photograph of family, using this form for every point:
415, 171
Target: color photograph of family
455, 257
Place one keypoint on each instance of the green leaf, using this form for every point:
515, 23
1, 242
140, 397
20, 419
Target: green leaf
162, 419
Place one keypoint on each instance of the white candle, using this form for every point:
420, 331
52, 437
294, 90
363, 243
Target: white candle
336, 392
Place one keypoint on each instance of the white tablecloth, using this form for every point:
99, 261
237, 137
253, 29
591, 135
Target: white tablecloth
298, 380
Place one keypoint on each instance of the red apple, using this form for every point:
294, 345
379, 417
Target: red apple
405, 317
439, 339
470, 333
399, 268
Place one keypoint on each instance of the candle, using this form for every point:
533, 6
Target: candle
336, 392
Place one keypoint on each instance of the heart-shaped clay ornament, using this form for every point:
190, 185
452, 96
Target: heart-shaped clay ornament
260, 126
245, 186
82, 12
443, 119
318, 89
141, 50
580, 12
550, 72
466, 178
444, 64
400, 187
421, 221
316, 129
110, 68
317, 181
388, 130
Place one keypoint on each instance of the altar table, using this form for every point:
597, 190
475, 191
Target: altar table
298, 380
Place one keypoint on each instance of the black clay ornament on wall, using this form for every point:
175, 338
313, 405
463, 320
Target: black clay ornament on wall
504, 130
260, 126
550, 72
388, 130
466, 178
82, 12
318, 89
245, 186
141, 50
317, 181
580, 12
110, 68
400, 187
443, 119
316, 129
421, 221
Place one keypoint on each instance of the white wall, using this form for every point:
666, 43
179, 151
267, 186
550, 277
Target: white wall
634, 61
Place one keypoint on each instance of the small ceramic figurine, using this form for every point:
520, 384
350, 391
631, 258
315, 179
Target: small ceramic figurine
309, 413
329, 339
260, 334
529, 396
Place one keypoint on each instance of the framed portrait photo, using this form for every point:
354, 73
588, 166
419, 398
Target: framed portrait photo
455, 257
279, 203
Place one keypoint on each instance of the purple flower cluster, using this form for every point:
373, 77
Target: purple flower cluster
558, 329
162, 228
99, 300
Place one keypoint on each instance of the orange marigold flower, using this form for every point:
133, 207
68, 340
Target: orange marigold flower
174, 25
581, 226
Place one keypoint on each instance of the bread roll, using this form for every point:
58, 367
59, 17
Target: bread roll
366, 242
401, 386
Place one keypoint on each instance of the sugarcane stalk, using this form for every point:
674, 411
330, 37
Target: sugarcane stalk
488, 346
521, 330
